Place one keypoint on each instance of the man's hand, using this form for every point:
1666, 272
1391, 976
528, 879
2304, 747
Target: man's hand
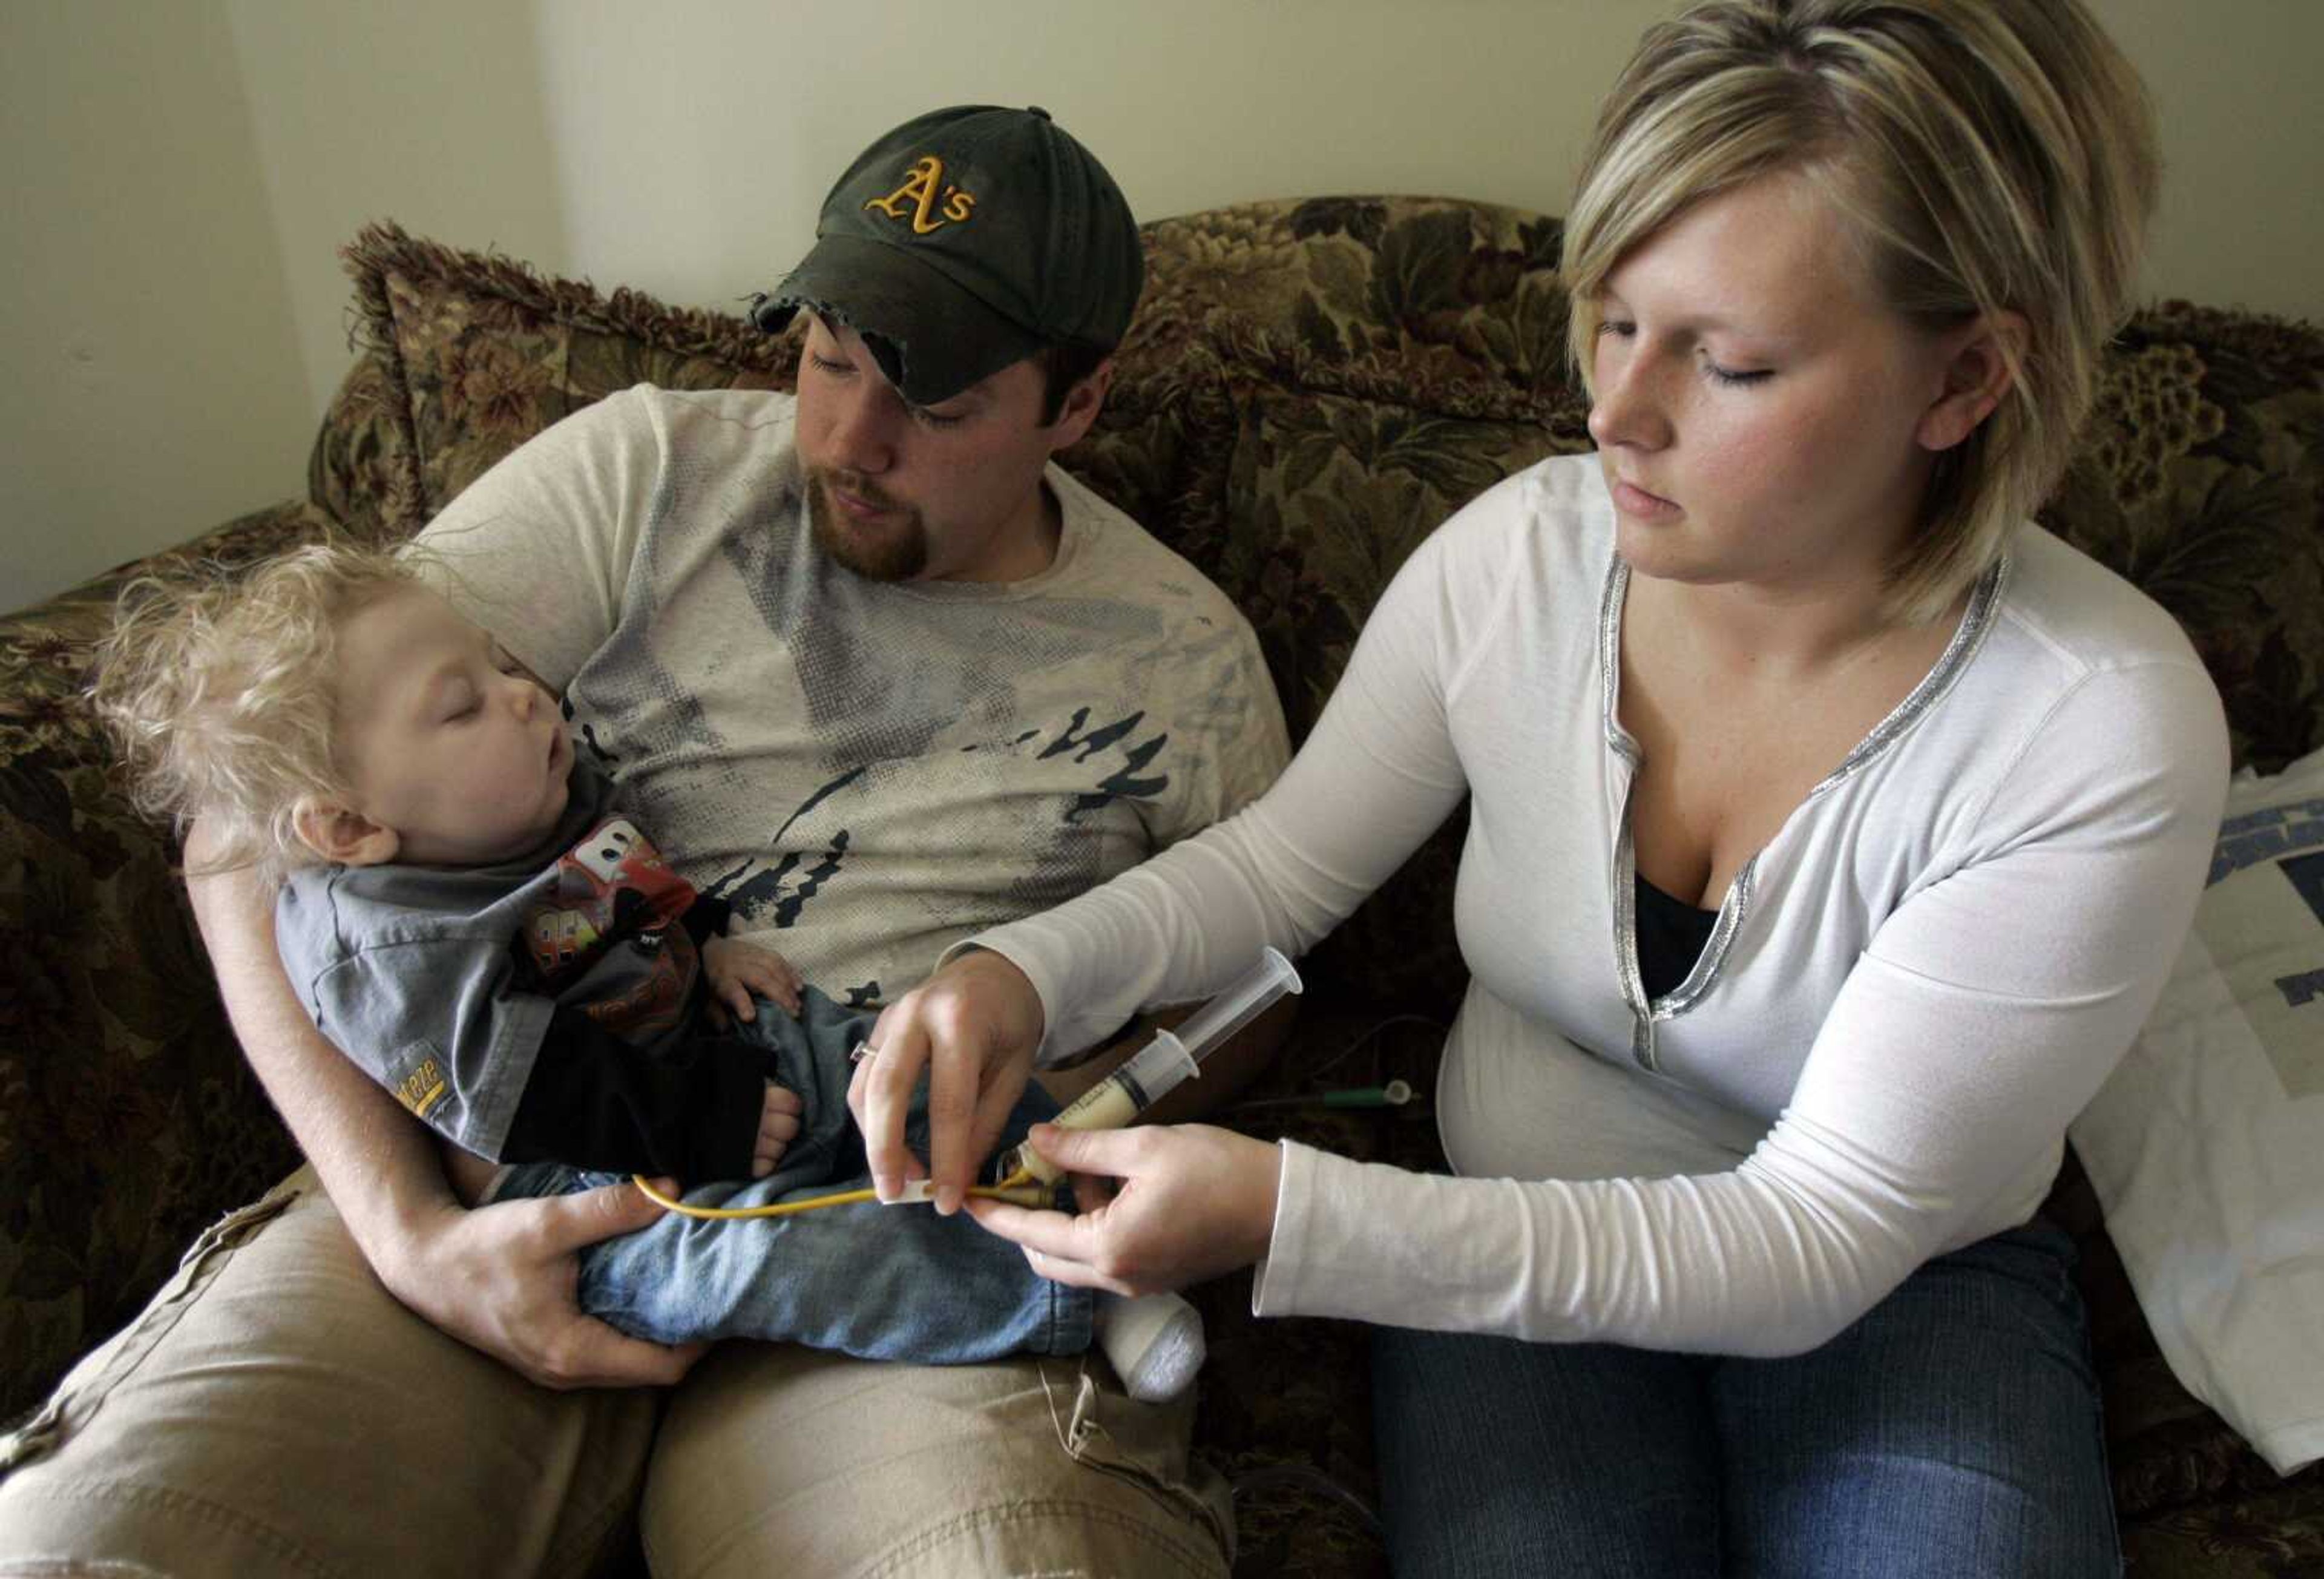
1185, 1203
503, 1278
974, 1027
737, 972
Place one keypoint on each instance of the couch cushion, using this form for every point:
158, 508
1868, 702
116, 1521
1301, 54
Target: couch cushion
471, 353
2200, 478
1440, 313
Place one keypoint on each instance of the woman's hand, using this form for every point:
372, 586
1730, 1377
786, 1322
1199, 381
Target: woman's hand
973, 1025
503, 1278
1187, 1202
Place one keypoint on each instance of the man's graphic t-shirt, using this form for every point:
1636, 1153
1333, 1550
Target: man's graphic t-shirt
867, 773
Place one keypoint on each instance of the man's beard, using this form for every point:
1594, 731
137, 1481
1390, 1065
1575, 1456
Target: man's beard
898, 551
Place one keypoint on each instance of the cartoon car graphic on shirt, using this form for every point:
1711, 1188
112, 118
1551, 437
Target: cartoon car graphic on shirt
558, 939
607, 937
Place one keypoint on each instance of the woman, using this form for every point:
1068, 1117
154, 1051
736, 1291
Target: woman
1833, 830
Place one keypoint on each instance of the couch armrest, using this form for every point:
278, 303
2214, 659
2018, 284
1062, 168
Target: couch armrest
128, 1118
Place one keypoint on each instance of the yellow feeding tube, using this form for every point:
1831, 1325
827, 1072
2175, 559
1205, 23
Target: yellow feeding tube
1020, 1192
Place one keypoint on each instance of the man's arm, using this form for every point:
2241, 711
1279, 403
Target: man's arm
501, 1279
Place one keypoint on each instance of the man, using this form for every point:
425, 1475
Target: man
878, 674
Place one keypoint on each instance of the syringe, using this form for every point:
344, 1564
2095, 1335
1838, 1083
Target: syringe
1157, 1067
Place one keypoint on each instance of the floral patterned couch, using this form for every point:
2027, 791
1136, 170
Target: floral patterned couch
1308, 388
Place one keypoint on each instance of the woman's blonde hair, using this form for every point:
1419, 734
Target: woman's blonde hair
219, 691
1989, 155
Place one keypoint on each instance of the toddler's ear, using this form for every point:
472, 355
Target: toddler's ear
342, 835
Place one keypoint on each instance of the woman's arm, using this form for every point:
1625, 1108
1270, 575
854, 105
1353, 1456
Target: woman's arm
1983, 1014
501, 1279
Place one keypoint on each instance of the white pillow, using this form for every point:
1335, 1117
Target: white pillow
2206, 1147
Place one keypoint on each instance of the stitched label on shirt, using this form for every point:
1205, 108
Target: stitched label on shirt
418, 1077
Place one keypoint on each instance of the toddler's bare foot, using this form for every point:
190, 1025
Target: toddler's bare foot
779, 1126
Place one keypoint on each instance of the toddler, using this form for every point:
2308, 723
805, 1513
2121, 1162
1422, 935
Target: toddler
465, 912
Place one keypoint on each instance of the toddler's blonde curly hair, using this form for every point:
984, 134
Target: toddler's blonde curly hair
218, 690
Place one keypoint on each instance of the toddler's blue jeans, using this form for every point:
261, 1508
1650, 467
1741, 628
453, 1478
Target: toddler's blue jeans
879, 1282
1952, 1431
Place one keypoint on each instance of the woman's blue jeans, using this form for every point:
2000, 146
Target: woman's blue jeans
1952, 1431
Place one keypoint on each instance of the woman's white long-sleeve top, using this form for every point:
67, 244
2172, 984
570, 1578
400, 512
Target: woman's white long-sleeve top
1910, 991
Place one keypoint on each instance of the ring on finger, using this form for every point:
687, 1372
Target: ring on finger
861, 1051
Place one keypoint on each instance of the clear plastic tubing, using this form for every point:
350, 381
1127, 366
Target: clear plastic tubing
1157, 1067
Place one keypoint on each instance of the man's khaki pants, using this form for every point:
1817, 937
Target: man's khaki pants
274, 1411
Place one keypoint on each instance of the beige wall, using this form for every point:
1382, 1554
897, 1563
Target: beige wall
682, 148
154, 384
2234, 90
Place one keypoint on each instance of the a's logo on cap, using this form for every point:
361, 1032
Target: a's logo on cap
916, 199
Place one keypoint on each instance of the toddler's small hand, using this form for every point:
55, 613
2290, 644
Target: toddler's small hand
740, 972
779, 1126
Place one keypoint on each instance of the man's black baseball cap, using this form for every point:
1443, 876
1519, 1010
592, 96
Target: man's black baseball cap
966, 240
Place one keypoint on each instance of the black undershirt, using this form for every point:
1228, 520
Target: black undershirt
688, 1105
1671, 937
